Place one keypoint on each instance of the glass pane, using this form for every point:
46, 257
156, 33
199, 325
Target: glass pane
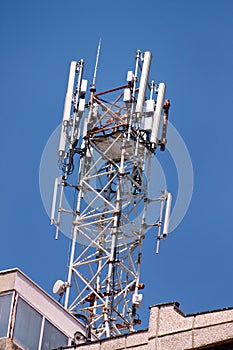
5, 306
27, 326
52, 337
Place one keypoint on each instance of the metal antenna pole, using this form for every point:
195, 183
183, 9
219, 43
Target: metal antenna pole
96, 62
72, 254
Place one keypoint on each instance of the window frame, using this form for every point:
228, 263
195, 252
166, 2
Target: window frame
15, 317
10, 311
12, 320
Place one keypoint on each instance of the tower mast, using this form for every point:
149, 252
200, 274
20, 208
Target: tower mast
107, 145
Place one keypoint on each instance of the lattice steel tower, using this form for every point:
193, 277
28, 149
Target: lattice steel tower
108, 140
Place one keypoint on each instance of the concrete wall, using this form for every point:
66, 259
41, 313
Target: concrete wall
170, 328
7, 344
15, 280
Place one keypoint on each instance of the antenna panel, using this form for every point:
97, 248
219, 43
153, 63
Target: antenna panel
143, 81
158, 113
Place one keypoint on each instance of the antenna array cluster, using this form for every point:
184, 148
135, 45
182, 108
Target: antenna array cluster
108, 140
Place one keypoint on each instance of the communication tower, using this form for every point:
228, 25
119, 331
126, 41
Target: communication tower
108, 141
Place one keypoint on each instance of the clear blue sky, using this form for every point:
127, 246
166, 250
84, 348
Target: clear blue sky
192, 48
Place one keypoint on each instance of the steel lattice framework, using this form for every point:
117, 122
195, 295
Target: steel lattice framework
112, 145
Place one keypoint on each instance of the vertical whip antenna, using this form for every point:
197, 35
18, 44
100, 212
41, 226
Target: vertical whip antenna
96, 62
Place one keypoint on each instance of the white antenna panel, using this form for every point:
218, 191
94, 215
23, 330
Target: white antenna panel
150, 106
81, 106
67, 108
84, 86
130, 76
158, 113
137, 300
127, 95
143, 82
167, 214
69, 93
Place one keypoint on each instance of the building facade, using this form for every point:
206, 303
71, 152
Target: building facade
169, 328
31, 320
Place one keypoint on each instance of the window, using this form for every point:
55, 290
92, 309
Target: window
27, 326
5, 306
52, 337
